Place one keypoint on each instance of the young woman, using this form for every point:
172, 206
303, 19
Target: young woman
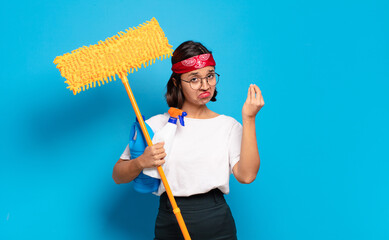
205, 151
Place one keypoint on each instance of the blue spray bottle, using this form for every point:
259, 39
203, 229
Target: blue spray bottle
138, 144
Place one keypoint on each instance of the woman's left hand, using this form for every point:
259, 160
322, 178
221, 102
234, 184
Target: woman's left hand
253, 104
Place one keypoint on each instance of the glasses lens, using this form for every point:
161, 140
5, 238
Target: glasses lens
195, 84
212, 79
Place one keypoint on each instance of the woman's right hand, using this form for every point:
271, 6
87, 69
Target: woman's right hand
153, 156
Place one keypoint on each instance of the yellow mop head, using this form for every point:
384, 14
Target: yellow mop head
119, 55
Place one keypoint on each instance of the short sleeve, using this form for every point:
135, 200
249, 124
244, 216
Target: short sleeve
234, 144
126, 155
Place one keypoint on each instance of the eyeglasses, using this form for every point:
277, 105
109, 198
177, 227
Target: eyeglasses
196, 82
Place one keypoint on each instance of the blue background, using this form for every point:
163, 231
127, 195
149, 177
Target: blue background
323, 132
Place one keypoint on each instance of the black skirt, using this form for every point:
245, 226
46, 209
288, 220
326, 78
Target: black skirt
207, 216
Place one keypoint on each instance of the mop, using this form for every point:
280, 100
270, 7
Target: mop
120, 55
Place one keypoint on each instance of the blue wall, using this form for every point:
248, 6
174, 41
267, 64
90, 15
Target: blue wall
323, 133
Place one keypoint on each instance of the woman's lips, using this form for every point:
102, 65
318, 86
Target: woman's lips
204, 95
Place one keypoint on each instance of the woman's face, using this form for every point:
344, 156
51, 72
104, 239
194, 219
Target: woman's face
202, 95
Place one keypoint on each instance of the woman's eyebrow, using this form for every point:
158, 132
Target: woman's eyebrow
194, 73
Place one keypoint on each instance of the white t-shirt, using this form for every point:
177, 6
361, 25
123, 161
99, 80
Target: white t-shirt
202, 155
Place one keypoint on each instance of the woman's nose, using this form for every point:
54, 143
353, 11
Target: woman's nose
204, 84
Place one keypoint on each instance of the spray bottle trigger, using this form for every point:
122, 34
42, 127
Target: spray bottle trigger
181, 117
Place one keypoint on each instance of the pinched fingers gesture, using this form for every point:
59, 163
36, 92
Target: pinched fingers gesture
253, 104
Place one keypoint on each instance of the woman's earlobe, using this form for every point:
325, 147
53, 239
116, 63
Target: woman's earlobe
174, 82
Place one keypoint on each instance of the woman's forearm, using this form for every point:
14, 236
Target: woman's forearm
249, 162
125, 171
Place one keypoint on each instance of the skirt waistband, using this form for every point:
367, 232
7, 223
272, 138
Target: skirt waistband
194, 202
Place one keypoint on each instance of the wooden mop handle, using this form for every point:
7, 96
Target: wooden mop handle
176, 210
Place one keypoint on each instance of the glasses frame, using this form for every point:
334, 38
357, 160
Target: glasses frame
206, 78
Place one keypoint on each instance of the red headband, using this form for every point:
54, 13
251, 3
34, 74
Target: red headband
194, 63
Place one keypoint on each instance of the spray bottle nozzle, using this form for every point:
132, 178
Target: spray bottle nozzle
175, 112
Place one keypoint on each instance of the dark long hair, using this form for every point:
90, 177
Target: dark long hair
174, 95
